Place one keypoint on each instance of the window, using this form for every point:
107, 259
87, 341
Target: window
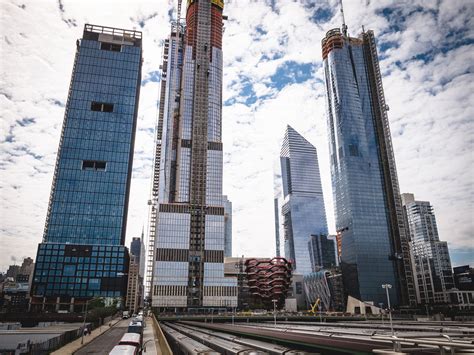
353, 150
110, 47
102, 106
69, 270
94, 165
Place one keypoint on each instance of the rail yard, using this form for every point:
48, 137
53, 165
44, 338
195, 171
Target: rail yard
299, 337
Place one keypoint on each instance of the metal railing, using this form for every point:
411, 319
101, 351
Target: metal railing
113, 31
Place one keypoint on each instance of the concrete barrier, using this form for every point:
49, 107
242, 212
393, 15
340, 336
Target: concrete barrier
164, 346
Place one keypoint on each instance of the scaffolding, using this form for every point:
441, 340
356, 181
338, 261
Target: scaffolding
199, 154
153, 202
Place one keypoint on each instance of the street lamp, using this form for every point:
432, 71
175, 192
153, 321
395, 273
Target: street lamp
85, 316
274, 312
386, 287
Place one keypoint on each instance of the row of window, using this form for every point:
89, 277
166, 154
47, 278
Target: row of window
128, 54
102, 106
112, 76
109, 208
95, 248
75, 175
56, 261
94, 165
118, 64
78, 259
54, 276
93, 48
124, 85
82, 293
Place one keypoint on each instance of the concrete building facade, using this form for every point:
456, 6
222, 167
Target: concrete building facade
187, 207
431, 260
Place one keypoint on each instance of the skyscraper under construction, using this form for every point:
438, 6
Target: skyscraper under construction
369, 214
186, 251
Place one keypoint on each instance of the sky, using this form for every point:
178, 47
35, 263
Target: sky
273, 76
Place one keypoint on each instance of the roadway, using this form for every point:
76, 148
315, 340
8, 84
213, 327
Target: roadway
104, 343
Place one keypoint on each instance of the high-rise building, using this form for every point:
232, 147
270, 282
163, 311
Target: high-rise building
277, 204
134, 298
227, 227
15, 288
137, 248
276, 209
368, 209
464, 278
187, 225
431, 262
322, 252
83, 254
135, 288
302, 209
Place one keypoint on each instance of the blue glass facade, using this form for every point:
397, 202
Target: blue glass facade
80, 271
302, 205
369, 218
322, 251
82, 253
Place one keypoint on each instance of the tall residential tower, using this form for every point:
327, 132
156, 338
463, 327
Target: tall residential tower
368, 209
83, 254
302, 203
433, 273
188, 213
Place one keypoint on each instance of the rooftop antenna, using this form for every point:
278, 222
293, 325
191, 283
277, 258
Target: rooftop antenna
344, 26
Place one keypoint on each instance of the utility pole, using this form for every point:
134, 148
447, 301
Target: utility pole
274, 313
85, 316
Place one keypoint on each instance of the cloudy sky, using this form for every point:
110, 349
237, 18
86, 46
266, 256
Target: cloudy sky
272, 77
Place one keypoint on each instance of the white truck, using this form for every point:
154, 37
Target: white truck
125, 314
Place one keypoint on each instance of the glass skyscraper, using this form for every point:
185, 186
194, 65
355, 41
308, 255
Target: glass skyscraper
227, 227
431, 262
302, 202
322, 252
82, 254
368, 210
137, 248
187, 207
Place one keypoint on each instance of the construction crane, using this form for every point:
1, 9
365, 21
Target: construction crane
315, 307
153, 202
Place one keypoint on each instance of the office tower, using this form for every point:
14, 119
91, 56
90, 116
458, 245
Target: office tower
135, 288
83, 254
464, 278
137, 248
322, 252
277, 226
227, 227
187, 201
368, 210
277, 203
134, 297
431, 262
302, 209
